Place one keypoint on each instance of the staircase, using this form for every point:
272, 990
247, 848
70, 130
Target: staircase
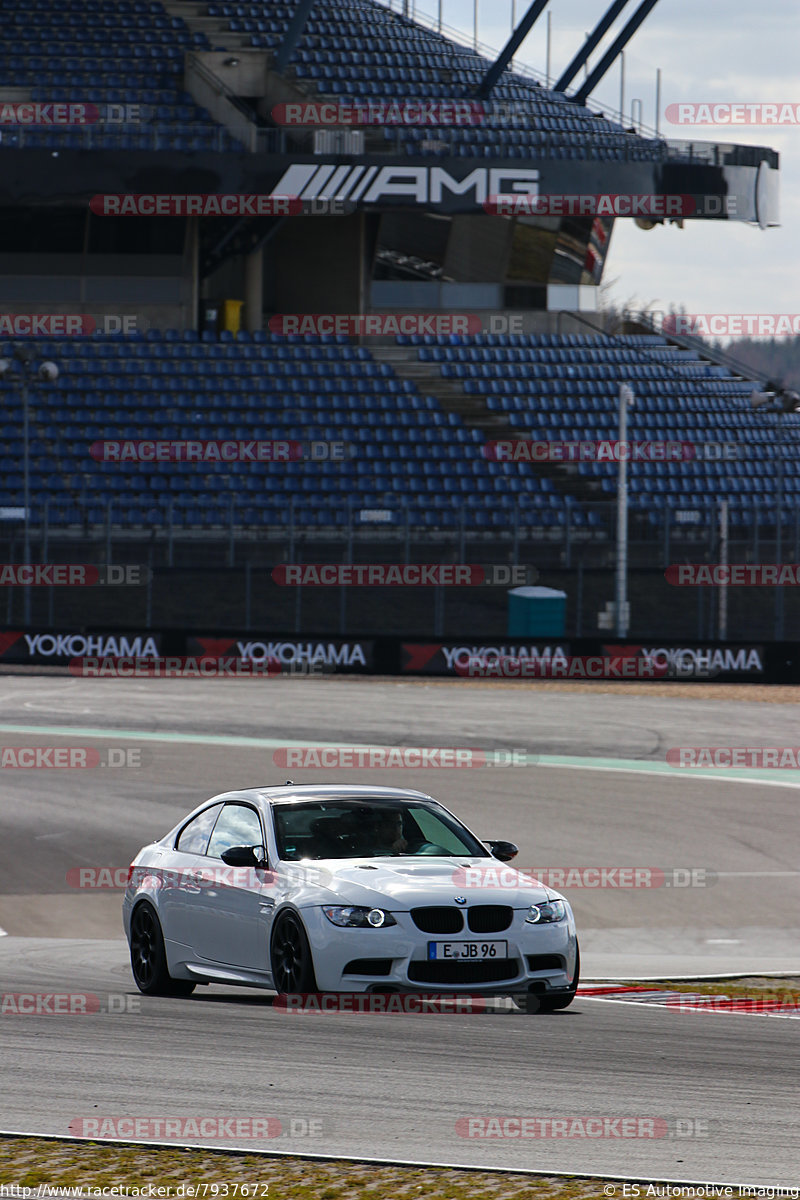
474, 412
449, 393
215, 28
289, 87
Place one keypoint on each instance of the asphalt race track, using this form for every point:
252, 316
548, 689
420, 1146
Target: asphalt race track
720, 1090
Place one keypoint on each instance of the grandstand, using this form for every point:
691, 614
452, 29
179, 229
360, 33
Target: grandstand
361, 51
101, 53
418, 459
417, 409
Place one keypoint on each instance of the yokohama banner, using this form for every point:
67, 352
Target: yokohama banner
292, 655
695, 661
476, 659
59, 647
93, 653
585, 659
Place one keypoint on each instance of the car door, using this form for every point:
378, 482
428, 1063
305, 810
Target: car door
178, 877
232, 910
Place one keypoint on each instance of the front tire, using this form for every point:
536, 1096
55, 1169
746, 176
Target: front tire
149, 958
290, 954
536, 1002
554, 1003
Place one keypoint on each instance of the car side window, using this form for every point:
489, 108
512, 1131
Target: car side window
237, 825
193, 838
434, 830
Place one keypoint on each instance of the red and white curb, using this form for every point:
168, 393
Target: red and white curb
692, 1002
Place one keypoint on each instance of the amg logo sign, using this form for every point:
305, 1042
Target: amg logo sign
430, 186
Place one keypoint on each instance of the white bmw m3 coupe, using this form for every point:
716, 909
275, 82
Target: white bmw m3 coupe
307, 888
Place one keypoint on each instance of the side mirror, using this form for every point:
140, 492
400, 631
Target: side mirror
244, 856
504, 851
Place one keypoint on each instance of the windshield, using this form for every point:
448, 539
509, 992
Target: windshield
370, 829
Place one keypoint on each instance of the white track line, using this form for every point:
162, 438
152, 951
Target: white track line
656, 1006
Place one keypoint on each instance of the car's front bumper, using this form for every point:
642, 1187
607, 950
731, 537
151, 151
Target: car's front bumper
396, 958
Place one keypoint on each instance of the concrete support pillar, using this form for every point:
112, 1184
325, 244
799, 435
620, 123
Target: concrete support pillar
253, 291
192, 257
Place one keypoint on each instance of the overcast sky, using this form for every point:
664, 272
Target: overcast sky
707, 51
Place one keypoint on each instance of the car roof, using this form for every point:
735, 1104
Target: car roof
297, 792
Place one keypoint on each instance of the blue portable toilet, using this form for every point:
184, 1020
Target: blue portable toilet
537, 612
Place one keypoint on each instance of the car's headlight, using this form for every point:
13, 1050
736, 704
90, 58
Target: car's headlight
358, 918
551, 910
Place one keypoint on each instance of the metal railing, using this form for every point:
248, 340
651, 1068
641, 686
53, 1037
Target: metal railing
109, 135
522, 69
224, 576
721, 154
162, 136
659, 531
674, 150
655, 322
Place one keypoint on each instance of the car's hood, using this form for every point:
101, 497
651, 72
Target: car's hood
407, 882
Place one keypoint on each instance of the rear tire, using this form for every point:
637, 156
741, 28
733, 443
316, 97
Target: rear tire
149, 958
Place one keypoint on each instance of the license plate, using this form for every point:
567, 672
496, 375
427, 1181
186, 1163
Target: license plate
471, 951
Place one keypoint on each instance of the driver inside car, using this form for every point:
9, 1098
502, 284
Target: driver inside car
385, 834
